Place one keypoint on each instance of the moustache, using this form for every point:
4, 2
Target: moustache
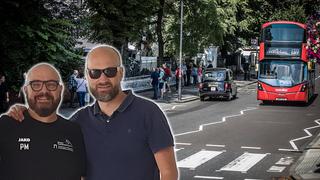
104, 84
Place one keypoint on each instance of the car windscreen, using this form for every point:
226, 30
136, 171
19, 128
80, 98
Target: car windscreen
282, 73
215, 75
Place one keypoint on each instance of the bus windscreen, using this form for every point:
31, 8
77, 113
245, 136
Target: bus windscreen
283, 32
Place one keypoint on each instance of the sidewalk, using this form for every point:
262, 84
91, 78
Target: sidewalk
189, 93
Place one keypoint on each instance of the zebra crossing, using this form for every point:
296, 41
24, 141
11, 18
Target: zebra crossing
242, 163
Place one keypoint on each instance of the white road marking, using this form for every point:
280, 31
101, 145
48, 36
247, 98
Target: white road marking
215, 145
277, 169
173, 107
198, 158
317, 77
218, 122
207, 177
248, 147
177, 149
306, 130
244, 162
252, 179
185, 144
285, 161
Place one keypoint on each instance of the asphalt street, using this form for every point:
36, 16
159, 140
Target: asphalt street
241, 138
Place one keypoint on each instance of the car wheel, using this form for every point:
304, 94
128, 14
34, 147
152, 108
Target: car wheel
201, 98
235, 95
229, 97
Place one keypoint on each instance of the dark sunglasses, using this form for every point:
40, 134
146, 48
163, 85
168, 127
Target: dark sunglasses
110, 72
37, 85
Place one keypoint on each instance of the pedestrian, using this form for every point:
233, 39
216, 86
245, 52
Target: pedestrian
4, 94
177, 75
200, 73
126, 136
167, 77
72, 86
44, 145
162, 86
194, 74
189, 69
246, 71
155, 82
82, 88
184, 73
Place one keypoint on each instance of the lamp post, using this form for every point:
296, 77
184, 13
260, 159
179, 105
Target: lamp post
180, 53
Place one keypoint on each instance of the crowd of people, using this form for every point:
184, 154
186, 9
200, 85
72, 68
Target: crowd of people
78, 86
161, 78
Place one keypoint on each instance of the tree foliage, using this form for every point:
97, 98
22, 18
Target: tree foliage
36, 31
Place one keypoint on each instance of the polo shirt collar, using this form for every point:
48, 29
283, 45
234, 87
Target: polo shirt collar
124, 105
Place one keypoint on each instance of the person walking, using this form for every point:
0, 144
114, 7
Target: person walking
194, 73
72, 86
177, 75
155, 82
82, 89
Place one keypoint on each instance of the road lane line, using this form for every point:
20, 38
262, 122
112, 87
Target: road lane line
198, 158
177, 149
244, 162
218, 122
185, 144
306, 130
276, 169
248, 147
207, 177
215, 145
318, 77
285, 161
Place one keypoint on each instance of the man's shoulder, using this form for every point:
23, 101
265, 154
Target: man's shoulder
81, 113
144, 103
7, 123
5, 119
68, 125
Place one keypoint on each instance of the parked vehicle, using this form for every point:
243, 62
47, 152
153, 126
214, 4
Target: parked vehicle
218, 83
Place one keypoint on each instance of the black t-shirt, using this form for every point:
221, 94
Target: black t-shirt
33, 150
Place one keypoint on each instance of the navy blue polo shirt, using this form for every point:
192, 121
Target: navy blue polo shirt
122, 146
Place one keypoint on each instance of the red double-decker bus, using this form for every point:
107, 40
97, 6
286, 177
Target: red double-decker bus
285, 73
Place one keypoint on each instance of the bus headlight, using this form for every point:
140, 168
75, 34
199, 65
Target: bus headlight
260, 86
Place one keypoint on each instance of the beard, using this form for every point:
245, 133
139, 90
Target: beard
43, 109
105, 96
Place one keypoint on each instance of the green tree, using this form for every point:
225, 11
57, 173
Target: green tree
36, 31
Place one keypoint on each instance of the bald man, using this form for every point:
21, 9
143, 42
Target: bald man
44, 145
126, 137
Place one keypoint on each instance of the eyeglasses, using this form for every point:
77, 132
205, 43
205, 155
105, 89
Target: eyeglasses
37, 85
110, 72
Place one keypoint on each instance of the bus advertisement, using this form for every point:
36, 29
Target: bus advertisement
285, 72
